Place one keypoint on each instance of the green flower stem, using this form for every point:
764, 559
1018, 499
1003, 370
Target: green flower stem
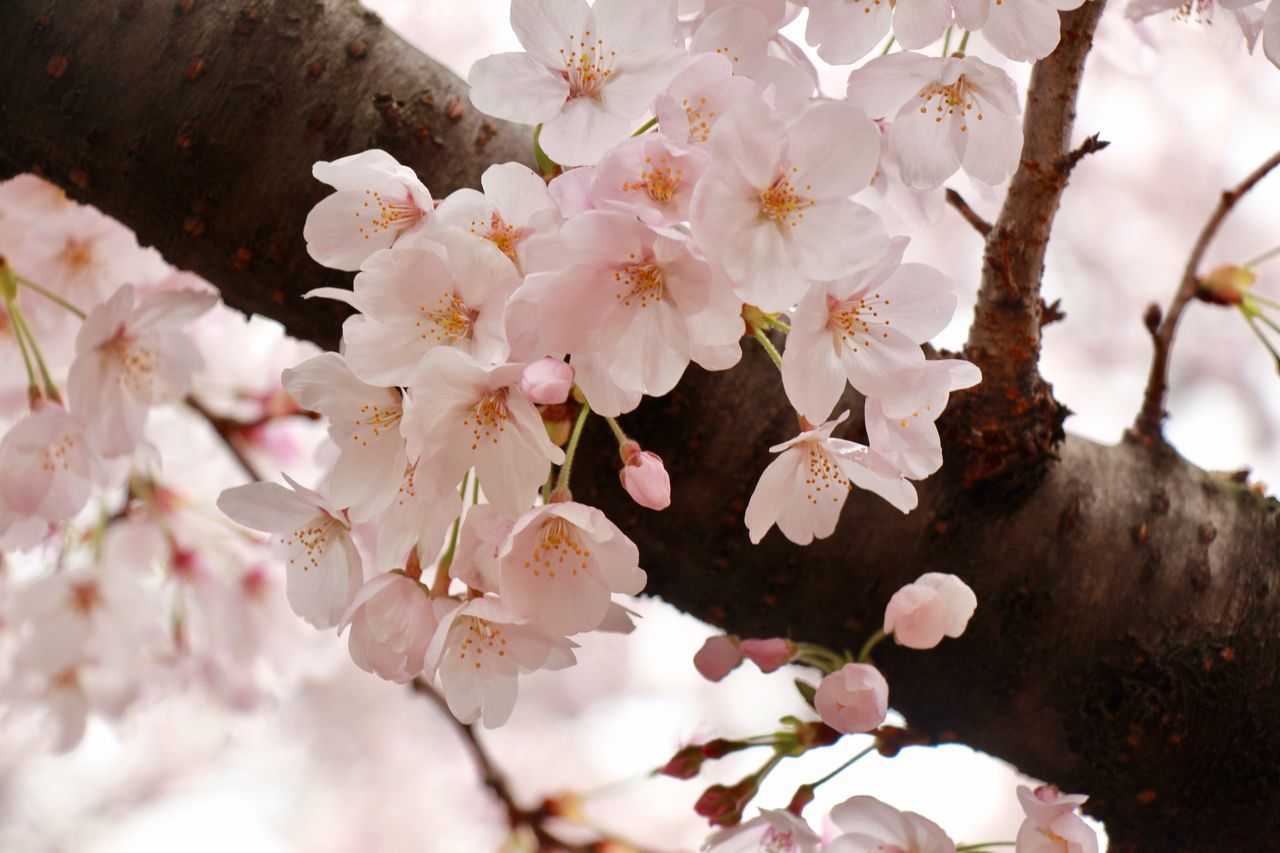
888, 47
546, 165
52, 297
864, 655
33, 386
759, 335
946, 43
617, 431
646, 127
20, 326
566, 470
976, 848
776, 323
1248, 318
964, 42
440, 584
843, 767
1265, 256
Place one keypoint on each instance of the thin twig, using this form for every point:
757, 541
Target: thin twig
227, 430
492, 779
1148, 427
1090, 145
970, 215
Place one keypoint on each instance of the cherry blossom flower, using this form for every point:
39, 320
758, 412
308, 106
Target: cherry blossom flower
418, 516
479, 651
464, 415
804, 489
477, 560
392, 622
414, 299
1052, 825
364, 421
921, 613
718, 657
947, 113
323, 572
1271, 33
854, 698
131, 357
743, 35
845, 31
46, 466
377, 201
515, 214
627, 296
703, 92
651, 177
1022, 31
645, 478
774, 208
588, 73
867, 825
866, 328
908, 439
562, 562
772, 831
547, 381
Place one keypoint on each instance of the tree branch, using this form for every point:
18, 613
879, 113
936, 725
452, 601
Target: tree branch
1017, 423
1149, 426
970, 215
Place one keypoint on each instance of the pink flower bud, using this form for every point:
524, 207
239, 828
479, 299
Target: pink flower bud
722, 805
768, 654
718, 657
920, 614
646, 480
547, 381
854, 698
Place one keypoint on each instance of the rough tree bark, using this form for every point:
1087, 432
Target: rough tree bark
1125, 642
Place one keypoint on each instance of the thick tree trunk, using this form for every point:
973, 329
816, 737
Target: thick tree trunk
1125, 641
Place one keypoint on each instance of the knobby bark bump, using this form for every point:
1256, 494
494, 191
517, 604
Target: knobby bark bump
1124, 644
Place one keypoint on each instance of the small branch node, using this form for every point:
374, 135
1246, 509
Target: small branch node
970, 215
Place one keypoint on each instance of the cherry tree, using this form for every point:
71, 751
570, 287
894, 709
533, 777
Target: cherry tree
647, 219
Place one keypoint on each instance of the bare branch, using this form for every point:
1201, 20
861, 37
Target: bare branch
1148, 428
970, 215
230, 431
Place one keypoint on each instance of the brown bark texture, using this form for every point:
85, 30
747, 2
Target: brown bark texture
1125, 644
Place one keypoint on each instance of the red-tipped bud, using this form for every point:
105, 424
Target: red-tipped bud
723, 805
768, 654
685, 764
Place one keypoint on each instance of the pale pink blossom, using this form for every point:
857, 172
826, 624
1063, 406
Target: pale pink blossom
1271, 33
744, 36
46, 467
718, 657
376, 201
1022, 31
364, 421
479, 651
774, 208
606, 396
464, 415
420, 297
323, 571
947, 113
645, 478
909, 437
865, 329
627, 297
804, 489
867, 825
478, 558
703, 91
547, 381
854, 698
130, 357
935, 606
769, 654
392, 622
772, 831
515, 214
419, 516
1052, 825
561, 564
651, 177
588, 74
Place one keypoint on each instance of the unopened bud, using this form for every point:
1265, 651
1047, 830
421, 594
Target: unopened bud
1225, 285
685, 764
547, 381
768, 654
645, 478
722, 805
718, 657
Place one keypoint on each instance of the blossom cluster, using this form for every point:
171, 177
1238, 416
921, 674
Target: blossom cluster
114, 579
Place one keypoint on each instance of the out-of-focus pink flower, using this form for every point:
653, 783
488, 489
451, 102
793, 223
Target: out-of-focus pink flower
868, 824
768, 654
937, 605
774, 830
854, 698
718, 657
392, 623
1052, 825
646, 480
547, 381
